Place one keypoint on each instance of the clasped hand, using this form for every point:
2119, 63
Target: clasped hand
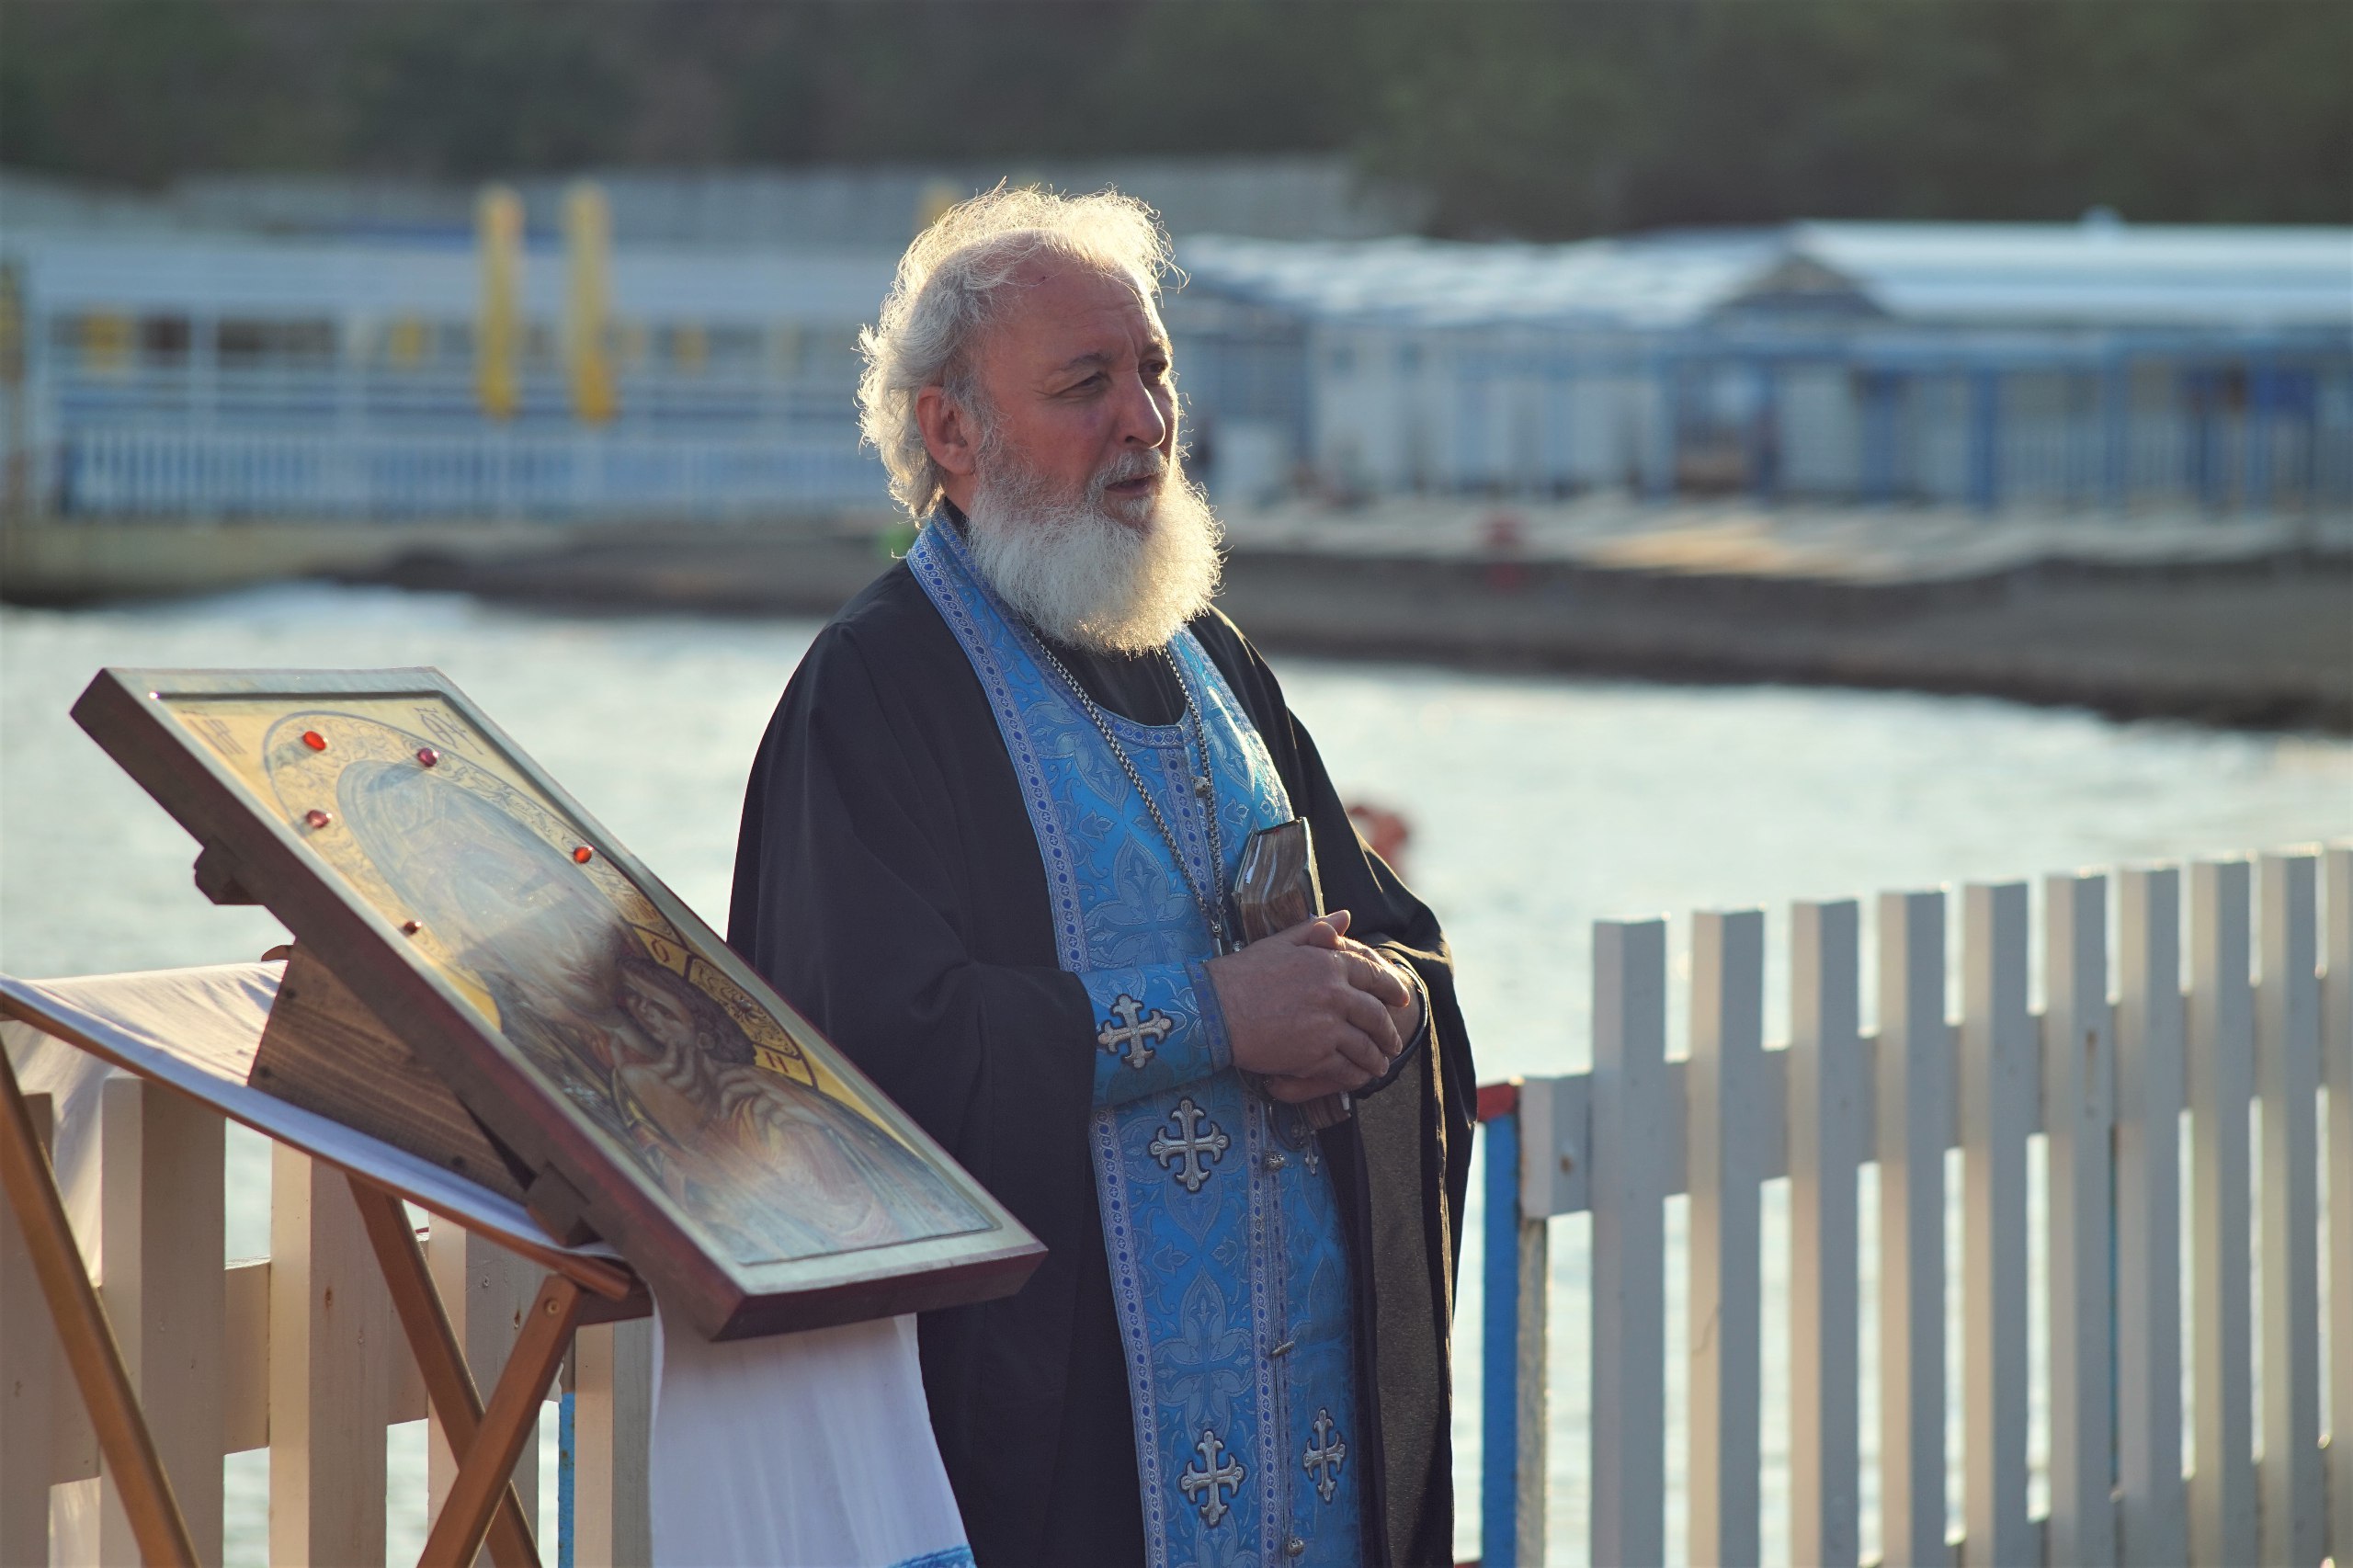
1313, 1011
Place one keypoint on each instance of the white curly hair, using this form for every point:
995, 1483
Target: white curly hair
950, 284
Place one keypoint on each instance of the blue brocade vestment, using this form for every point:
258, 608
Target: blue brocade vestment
1220, 1222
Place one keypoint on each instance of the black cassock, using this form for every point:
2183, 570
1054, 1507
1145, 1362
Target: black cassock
888, 883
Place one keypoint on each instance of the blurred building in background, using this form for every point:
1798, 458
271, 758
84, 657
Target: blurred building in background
652, 347
2092, 364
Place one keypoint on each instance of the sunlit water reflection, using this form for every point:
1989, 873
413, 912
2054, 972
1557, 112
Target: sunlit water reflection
1537, 806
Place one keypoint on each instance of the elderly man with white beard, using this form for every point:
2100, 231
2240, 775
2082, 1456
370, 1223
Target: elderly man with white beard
988, 846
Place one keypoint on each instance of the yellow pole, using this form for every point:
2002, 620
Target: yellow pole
588, 301
498, 325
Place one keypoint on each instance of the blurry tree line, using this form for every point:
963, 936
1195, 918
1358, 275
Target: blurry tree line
1530, 118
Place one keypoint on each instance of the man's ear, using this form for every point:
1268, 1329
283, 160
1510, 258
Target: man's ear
948, 431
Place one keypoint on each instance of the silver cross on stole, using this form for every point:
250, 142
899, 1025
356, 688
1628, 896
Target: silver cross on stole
1127, 1029
1189, 1144
1213, 1474
1323, 1456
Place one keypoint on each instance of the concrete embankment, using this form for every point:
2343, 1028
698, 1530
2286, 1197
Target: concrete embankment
2256, 645
2230, 624
69, 561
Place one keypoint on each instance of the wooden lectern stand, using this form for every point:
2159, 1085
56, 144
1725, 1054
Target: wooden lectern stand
122, 1022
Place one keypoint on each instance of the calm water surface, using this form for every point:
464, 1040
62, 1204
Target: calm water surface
1537, 805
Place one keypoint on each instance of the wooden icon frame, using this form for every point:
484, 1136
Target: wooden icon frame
207, 745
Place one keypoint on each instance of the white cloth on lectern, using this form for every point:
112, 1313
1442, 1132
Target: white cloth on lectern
806, 1451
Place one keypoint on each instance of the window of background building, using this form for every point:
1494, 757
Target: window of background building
255, 342
735, 349
407, 343
163, 341
787, 348
686, 347
98, 342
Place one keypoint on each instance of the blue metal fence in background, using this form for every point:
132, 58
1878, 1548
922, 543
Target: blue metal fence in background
487, 472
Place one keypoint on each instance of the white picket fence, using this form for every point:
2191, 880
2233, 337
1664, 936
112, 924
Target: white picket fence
2104, 1074
301, 1353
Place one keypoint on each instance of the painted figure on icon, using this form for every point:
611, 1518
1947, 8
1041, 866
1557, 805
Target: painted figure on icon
775, 1168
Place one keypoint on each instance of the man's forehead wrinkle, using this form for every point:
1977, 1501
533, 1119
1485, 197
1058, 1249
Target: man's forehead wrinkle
1116, 346
1152, 343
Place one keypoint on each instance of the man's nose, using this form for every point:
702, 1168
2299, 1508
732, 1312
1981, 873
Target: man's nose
1143, 420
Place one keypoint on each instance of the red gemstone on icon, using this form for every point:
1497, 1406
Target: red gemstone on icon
427, 755
582, 855
315, 740
411, 928
316, 817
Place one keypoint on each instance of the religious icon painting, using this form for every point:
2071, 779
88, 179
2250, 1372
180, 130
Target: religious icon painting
636, 1080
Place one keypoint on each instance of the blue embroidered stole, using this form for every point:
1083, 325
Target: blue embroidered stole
1219, 1223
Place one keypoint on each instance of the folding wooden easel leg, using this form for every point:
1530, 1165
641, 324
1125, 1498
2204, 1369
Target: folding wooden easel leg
514, 1406
447, 1382
156, 1522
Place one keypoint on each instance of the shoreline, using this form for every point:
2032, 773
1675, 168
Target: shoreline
2257, 635
2264, 643
2250, 645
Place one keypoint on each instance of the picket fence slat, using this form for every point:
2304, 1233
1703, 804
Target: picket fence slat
612, 1424
2078, 1110
245, 1356
1517, 1281
32, 1367
1629, 1349
1825, 1148
485, 1289
1915, 1123
2222, 1081
333, 1338
2336, 1050
160, 1235
2149, 1089
1997, 1094
1727, 1169
1532, 1414
2288, 1080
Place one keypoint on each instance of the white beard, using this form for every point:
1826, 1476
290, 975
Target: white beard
1084, 574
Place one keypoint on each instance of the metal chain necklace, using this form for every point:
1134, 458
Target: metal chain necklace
1204, 789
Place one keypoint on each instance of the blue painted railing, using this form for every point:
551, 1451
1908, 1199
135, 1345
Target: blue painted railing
1499, 1373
